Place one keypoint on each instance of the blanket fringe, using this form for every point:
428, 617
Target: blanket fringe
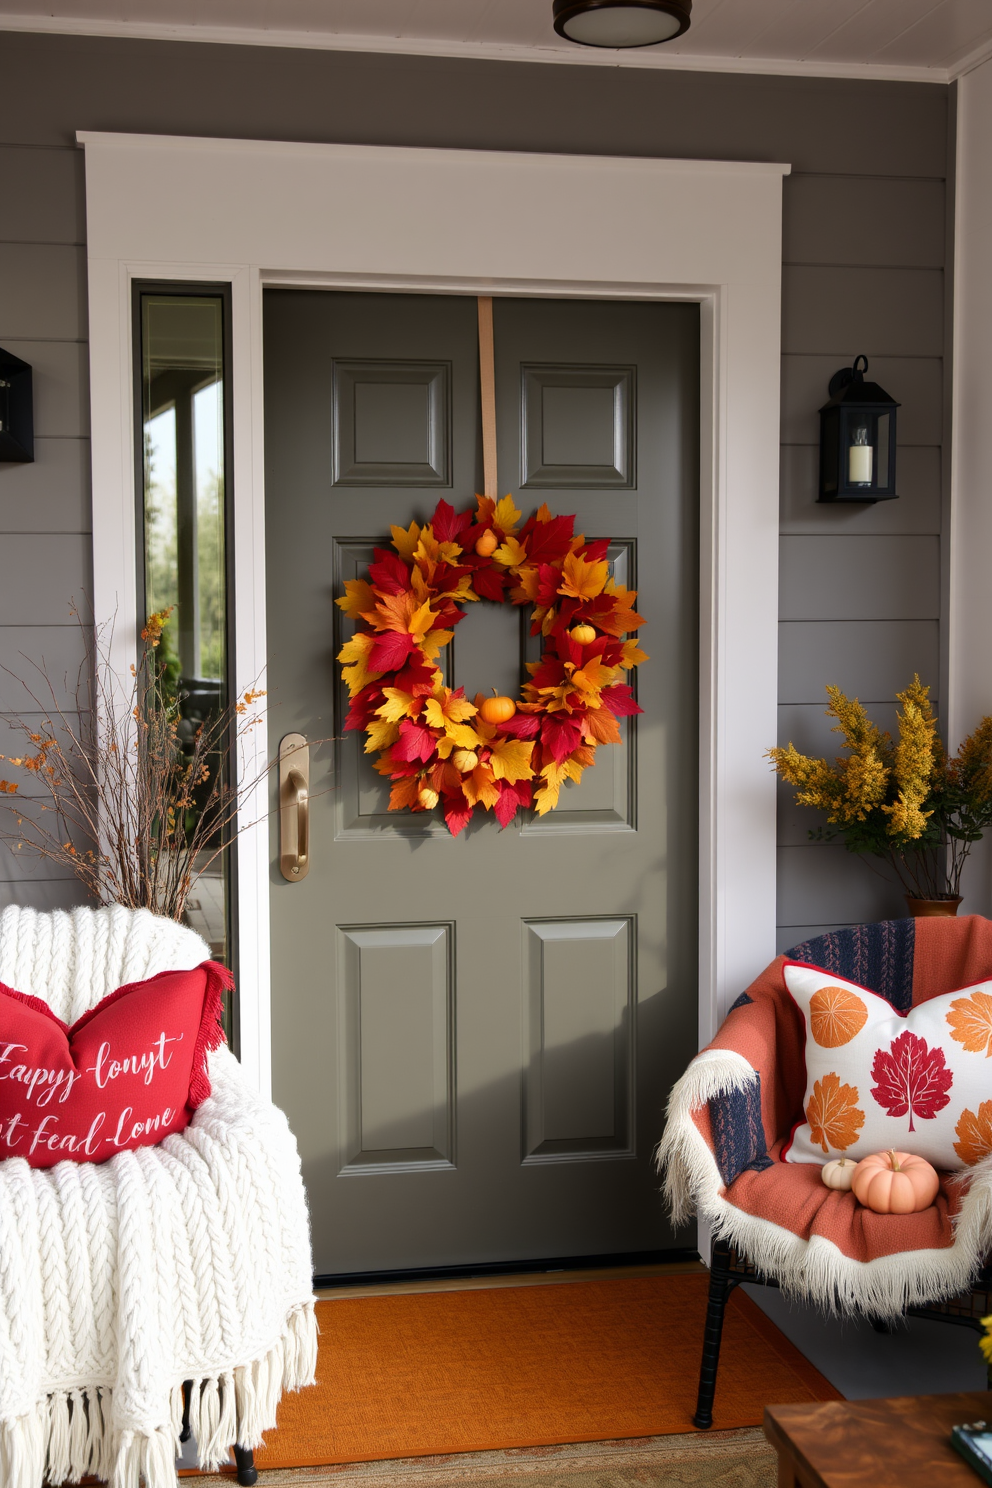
814, 1270
70, 1435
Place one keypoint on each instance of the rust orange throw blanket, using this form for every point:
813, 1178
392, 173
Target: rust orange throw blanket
437, 1372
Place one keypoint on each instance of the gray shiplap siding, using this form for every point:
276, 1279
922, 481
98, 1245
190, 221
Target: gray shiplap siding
863, 261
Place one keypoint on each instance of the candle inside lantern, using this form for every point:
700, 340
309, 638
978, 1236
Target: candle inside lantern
859, 459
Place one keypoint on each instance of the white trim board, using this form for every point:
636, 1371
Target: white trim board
559, 53
257, 213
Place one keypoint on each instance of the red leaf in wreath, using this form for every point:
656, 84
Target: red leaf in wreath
489, 583
449, 525
547, 540
548, 579
595, 552
566, 614
417, 678
620, 700
560, 736
520, 726
911, 1077
389, 573
390, 651
363, 706
511, 798
457, 813
415, 742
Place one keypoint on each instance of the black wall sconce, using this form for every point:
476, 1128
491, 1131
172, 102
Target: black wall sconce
857, 439
16, 409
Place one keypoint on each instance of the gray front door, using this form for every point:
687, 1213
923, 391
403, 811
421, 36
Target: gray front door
474, 1037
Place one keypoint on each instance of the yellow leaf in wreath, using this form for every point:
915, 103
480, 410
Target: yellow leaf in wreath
510, 759
434, 642
356, 651
543, 513
510, 554
632, 655
421, 621
463, 736
380, 735
554, 777
358, 596
506, 517
405, 541
398, 705
582, 580
444, 708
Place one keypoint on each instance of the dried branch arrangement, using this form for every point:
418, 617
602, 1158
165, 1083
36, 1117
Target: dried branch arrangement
125, 792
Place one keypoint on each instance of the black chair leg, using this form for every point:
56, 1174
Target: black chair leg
721, 1285
185, 1434
247, 1471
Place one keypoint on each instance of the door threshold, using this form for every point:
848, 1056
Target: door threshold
508, 1274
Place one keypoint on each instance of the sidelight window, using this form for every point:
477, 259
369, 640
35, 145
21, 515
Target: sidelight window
184, 536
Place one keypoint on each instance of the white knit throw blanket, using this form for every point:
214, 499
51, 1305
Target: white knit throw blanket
121, 1280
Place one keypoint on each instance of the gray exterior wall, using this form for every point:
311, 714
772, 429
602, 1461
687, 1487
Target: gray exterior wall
865, 245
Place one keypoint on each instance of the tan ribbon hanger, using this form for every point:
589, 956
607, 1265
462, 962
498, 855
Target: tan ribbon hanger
487, 389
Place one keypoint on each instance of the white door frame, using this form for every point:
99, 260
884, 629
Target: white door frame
253, 213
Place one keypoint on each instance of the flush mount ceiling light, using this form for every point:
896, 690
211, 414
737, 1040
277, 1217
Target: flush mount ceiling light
621, 23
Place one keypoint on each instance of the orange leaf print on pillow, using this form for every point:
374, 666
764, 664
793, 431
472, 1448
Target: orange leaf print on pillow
833, 1115
974, 1134
836, 1016
970, 1019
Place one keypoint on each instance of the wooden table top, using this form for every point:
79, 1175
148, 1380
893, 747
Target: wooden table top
899, 1443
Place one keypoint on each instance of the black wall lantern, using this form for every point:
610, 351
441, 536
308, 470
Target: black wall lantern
16, 411
857, 439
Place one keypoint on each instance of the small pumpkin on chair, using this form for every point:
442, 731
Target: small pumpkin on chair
895, 1183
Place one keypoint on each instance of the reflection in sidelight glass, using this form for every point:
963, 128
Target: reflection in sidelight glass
184, 537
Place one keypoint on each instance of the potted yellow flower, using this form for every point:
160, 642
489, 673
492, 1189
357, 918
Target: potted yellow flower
907, 802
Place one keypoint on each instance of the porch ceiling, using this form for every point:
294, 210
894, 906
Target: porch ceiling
933, 40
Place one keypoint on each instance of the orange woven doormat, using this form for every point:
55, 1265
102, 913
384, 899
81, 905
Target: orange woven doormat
472, 1371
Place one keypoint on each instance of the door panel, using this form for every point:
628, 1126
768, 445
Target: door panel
474, 1037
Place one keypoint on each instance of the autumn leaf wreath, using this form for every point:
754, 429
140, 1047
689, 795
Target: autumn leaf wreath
432, 743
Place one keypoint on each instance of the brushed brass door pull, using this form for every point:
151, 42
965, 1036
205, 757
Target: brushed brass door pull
294, 808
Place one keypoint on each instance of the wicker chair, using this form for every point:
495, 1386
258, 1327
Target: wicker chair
741, 1097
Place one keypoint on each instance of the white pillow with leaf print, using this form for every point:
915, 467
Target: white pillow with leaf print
876, 1078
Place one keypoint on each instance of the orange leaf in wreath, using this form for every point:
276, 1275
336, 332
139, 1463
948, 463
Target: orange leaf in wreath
974, 1134
836, 1016
582, 580
600, 725
404, 793
833, 1114
593, 676
970, 1020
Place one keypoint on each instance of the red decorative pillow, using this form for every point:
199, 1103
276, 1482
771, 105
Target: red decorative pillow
126, 1074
